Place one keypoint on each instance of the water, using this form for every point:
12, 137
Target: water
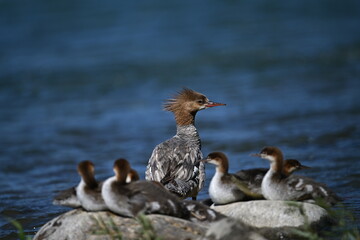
86, 80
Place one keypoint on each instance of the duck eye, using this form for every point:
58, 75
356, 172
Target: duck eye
200, 101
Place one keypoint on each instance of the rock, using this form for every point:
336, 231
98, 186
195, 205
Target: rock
230, 229
274, 214
80, 225
248, 220
276, 219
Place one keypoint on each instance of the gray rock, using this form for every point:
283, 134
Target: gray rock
231, 229
80, 225
275, 214
248, 220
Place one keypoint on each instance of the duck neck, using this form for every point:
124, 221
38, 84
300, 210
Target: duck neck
121, 177
218, 174
90, 181
184, 118
188, 133
223, 167
276, 166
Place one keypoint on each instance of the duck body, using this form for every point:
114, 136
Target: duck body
278, 186
131, 199
297, 188
225, 187
175, 163
222, 190
90, 197
253, 177
274, 187
88, 191
141, 197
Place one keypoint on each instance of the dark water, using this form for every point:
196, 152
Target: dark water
86, 79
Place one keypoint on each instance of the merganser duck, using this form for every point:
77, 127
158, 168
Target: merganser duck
244, 185
174, 162
252, 178
277, 186
223, 188
89, 190
69, 197
140, 196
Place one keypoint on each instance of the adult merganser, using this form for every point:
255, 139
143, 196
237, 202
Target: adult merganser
252, 178
174, 162
277, 186
89, 190
140, 196
69, 198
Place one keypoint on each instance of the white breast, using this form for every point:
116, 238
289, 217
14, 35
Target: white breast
88, 201
113, 201
271, 190
222, 193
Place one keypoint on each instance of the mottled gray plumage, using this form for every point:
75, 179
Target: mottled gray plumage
306, 189
175, 164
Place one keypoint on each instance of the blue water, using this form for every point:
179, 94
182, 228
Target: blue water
86, 80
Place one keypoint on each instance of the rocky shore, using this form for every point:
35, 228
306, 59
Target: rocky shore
251, 220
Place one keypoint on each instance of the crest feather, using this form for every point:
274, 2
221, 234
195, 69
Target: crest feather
186, 94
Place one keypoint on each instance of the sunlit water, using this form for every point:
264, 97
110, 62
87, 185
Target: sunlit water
86, 80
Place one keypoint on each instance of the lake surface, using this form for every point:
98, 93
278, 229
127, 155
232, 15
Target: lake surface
87, 79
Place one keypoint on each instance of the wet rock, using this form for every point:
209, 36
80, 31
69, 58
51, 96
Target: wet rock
80, 225
275, 214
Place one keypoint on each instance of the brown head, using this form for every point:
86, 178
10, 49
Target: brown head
186, 104
132, 176
274, 155
292, 165
121, 169
86, 171
219, 159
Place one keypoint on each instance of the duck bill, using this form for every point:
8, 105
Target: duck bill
204, 160
214, 104
304, 167
255, 154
